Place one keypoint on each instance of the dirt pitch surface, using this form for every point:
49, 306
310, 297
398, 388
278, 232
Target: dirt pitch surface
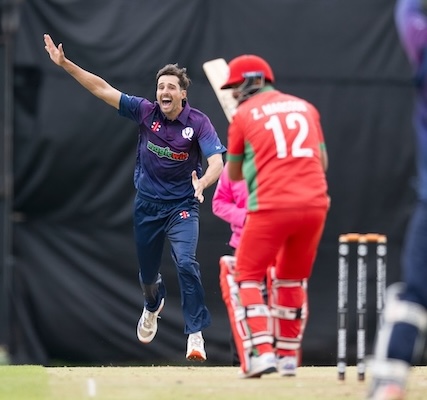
198, 382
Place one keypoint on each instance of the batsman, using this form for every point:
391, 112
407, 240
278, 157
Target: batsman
275, 143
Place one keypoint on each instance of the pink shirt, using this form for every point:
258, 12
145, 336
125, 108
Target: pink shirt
229, 204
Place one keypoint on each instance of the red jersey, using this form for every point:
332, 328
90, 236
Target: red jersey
278, 137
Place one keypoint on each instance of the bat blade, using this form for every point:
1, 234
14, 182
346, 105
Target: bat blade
217, 73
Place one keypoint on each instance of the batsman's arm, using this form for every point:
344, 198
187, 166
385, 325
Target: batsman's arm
234, 169
93, 83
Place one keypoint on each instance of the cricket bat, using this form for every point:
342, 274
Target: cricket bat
217, 73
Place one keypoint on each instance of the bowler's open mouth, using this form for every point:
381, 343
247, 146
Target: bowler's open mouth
166, 102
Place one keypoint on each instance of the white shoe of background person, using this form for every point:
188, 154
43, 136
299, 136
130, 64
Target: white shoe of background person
389, 378
287, 365
196, 347
260, 365
386, 390
147, 324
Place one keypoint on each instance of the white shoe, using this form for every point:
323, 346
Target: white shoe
263, 364
147, 324
389, 377
195, 347
287, 365
389, 391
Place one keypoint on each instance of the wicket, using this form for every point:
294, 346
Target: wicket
344, 242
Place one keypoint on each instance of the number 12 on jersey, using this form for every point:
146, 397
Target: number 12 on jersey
292, 121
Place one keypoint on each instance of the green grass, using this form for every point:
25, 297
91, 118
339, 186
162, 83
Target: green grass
24, 383
189, 382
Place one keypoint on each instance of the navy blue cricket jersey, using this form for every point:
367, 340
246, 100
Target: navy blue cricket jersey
168, 151
411, 21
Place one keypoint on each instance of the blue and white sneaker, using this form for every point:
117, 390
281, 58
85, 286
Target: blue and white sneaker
147, 324
260, 365
287, 365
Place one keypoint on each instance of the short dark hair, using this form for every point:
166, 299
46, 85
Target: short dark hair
174, 69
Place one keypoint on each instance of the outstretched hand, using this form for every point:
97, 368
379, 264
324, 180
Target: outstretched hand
56, 53
198, 187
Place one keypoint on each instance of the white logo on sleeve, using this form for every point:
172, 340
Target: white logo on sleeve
187, 133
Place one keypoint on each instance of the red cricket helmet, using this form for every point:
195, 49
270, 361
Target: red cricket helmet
247, 65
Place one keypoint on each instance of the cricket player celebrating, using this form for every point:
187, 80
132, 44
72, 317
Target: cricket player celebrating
275, 143
173, 138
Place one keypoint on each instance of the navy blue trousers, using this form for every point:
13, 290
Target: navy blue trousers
178, 221
414, 261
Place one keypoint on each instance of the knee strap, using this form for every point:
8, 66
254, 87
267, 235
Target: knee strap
390, 369
288, 307
399, 311
408, 312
